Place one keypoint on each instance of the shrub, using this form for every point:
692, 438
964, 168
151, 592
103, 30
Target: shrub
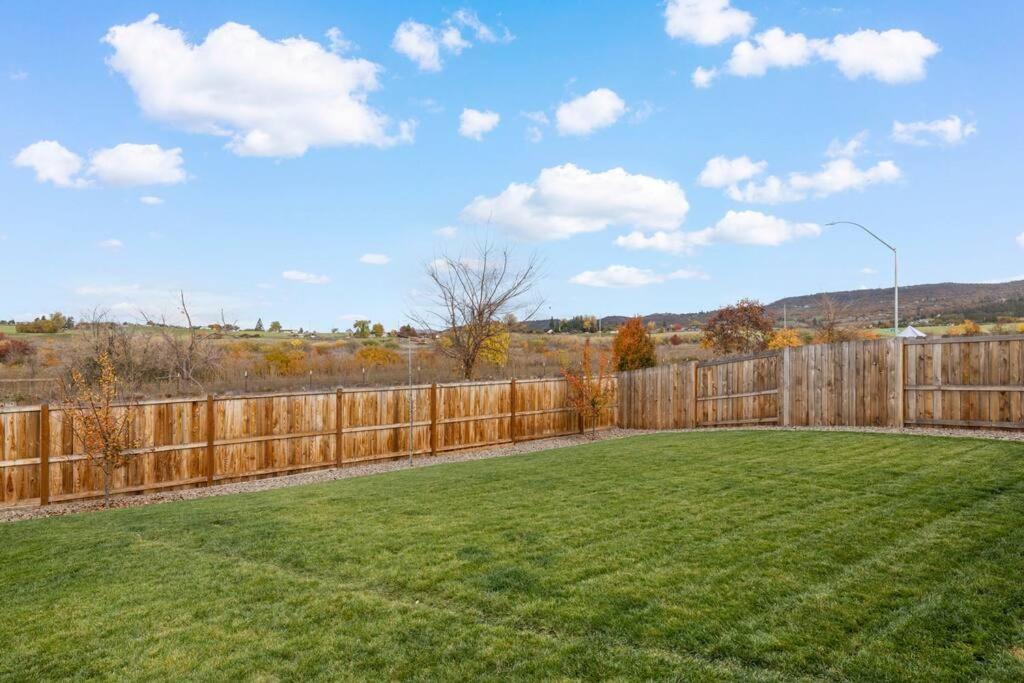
675, 340
14, 350
377, 356
783, 338
43, 325
286, 358
633, 347
968, 328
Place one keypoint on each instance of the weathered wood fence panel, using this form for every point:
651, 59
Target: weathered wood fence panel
957, 383
960, 382
738, 392
196, 442
662, 397
851, 383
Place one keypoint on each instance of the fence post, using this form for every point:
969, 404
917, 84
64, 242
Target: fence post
44, 454
512, 409
339, 426
901, 381
784, 385
210, 428
694, 375
433, 418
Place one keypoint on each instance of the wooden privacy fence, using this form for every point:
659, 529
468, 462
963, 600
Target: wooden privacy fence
200, 441
959, 382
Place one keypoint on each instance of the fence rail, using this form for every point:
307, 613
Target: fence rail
959, 382
199, 441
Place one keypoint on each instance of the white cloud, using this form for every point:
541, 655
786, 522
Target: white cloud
567, 200
337, 41
841, 175
451, 38
130, 164
111, 244
702, 77
736, 227
423, 44
628, 276
772, 190
52, 162
706, 22
838, 175
448, 232
868, 270
773, 48
271, 98
838, 149
481, 31
308, 278
534, 134
538, 117
1020, 240
893, 56
124, 165
948, 131
722, 172
375, 259
18, 75
150, 200
420, 43
474, 123
582, 116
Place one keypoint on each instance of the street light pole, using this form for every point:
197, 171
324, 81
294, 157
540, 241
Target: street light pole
895, 272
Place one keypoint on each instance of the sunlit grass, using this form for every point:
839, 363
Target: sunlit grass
730, 555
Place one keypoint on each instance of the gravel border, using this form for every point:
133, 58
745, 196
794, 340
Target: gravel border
18, 513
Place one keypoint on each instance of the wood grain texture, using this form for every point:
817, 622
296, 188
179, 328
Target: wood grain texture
185, 443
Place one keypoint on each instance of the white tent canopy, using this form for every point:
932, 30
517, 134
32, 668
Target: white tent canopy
912, 332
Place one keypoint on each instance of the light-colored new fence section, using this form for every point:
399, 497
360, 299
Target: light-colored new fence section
196, 442
963, 382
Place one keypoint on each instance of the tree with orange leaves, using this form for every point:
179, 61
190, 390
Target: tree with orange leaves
100, 423
590, 386
633, 347
744, 327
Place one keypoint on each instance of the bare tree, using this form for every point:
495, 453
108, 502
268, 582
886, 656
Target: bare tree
472, 298
830, 328
134, 356
191, 356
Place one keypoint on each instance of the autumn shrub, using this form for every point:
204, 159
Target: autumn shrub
13, 351
675, 340
786, 337
377, 356
968, 328
285, 358
633, 347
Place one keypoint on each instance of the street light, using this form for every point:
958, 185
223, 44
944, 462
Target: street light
895, 273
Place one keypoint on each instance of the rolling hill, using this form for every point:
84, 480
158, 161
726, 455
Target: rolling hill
938, 303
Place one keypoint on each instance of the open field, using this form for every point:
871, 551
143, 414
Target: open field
726, 556
247, 361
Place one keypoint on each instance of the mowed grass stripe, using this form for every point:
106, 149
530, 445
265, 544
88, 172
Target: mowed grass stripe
728, 555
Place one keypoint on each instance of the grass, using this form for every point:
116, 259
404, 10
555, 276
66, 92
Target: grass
717, 556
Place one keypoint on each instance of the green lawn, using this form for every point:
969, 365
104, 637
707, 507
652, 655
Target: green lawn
729, 555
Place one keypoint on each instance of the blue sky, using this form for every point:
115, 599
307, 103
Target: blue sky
312, 156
